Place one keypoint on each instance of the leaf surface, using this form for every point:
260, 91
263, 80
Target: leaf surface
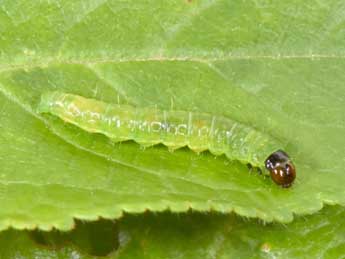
277, 67
187, 235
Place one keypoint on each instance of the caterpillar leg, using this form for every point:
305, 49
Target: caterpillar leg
259, 171
254, 169
117, 140
173, 148
250, 167
198, 150
144, 145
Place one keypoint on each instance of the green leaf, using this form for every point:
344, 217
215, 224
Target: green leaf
277, 67
188, 235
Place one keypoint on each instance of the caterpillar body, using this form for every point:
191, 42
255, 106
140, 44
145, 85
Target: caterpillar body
174, 129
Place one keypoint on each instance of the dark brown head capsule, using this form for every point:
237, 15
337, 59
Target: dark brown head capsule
281, 168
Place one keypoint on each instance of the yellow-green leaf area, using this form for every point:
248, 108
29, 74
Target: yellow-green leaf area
275, 66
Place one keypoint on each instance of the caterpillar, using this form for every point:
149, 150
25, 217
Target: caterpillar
174, 129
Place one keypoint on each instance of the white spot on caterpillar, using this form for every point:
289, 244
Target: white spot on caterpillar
182, 130
156, 126
72, 109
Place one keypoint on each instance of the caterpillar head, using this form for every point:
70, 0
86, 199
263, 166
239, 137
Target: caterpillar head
281, 169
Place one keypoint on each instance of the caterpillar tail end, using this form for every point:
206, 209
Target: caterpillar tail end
46, 101
42, 107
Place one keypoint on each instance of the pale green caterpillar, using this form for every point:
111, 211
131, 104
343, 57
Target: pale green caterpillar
174, 129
